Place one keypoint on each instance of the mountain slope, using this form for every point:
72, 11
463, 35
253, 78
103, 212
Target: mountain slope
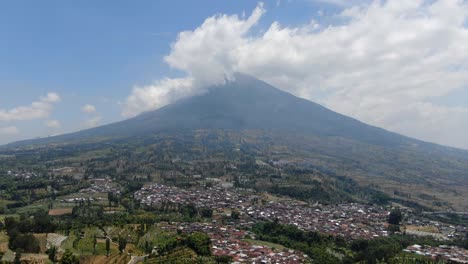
245, 103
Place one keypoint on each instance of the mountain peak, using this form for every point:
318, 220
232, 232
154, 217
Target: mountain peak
243, 103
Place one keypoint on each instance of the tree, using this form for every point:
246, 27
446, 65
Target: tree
122, 243
223, 259
107, 246
395, 217
235, 215
26, 242
206, 212
110, 198
379, 198
17, 257
52, 252
148, 247
3, 209
94, 244
191, 210
465, 242
69, 258
199, 242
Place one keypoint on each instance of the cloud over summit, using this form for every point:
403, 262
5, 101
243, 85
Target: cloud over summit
386, 65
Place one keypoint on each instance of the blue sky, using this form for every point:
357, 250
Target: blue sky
97, 52
93, 52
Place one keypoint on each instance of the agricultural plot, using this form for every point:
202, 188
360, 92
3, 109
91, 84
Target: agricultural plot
60, 211
55, 240
3, 242
114, 258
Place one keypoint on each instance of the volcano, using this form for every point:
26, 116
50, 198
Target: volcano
245, 103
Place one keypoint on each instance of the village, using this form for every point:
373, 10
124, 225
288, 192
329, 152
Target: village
227, 240
348, 220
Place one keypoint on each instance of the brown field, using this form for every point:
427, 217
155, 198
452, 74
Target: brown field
3, 242
429, 229
42, 241
60, 211
3, 247
34, 258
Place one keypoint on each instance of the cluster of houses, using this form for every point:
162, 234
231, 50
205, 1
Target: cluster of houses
87, 194
24, 175
102, 186
215, 197
348, 220
78, 200
451, 254
227, 240
353, 221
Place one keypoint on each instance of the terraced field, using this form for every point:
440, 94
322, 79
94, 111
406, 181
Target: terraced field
181, 255
114, 258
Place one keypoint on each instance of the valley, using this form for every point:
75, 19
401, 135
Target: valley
228, 185
244, 173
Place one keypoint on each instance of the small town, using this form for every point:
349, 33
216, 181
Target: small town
348, 220
227, 240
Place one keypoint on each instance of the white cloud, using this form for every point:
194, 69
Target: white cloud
204, 66
93, 121
53, 124
385, 65
344, 3
93, 117
211, 52
38, 109
9, 131
88, 108
157, 95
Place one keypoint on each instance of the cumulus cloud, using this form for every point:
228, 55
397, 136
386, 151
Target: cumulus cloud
88, 108
93, 121
208, 64
211, 52
38, 109
157, 95
384, 63
53, 124
9, 131
93, 117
